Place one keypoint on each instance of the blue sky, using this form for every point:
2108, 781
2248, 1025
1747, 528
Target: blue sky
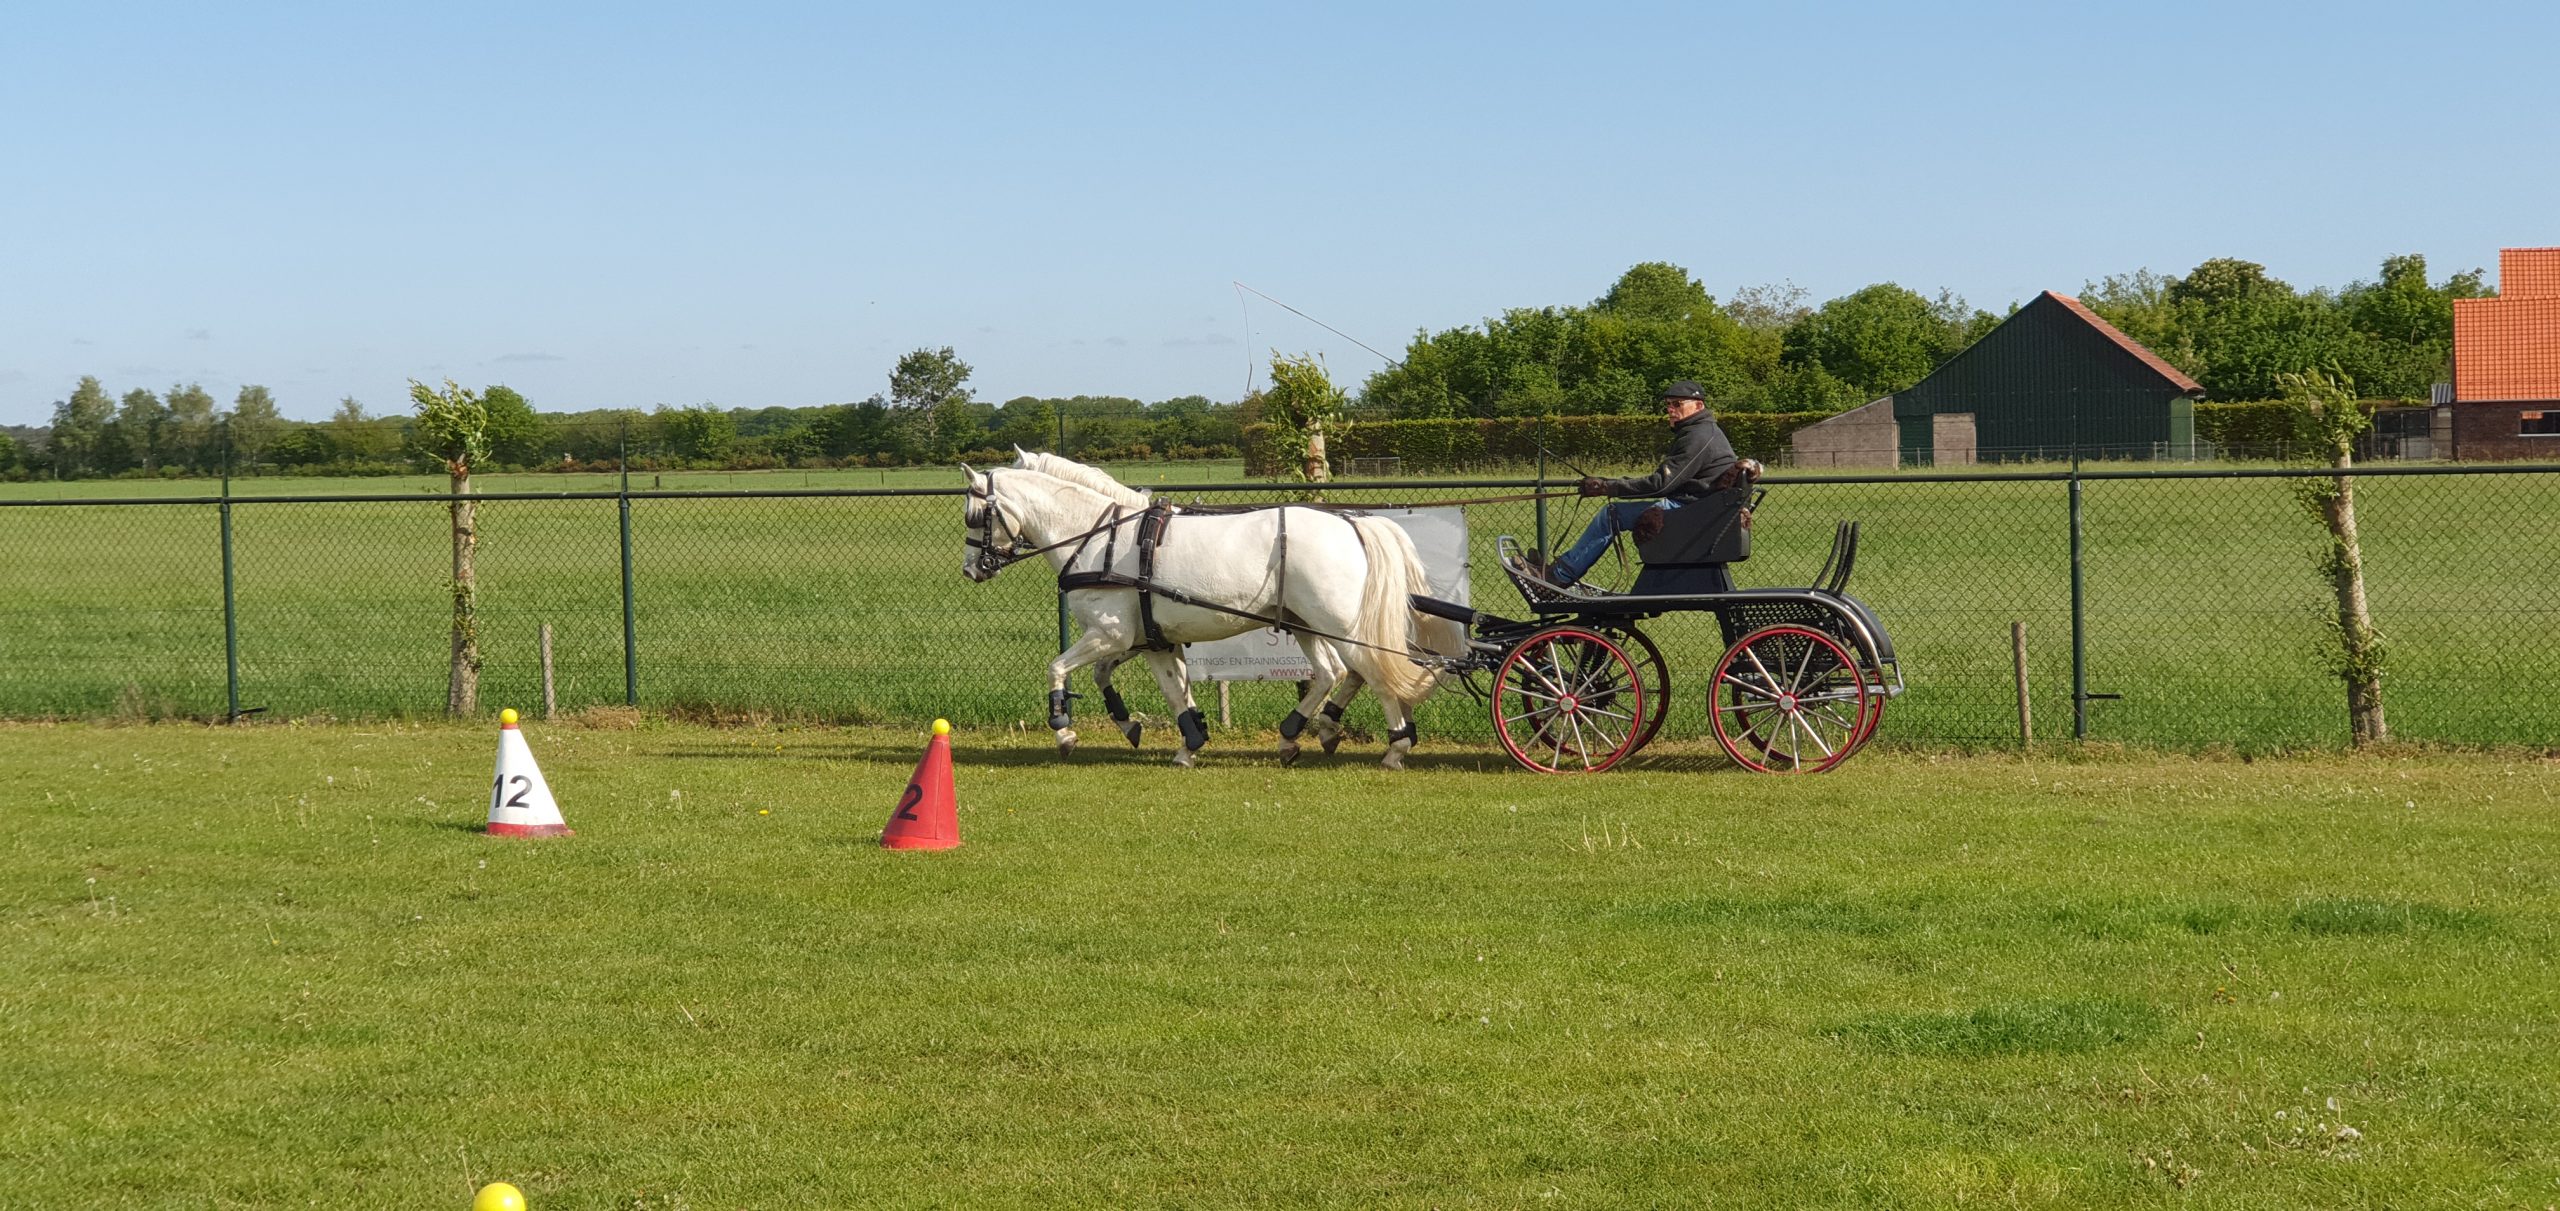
631, 204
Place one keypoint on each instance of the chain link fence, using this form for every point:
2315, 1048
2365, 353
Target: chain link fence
2202, 618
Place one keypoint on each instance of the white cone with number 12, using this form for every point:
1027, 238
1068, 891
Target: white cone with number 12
520, 803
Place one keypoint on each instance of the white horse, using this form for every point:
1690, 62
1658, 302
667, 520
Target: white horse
1327, 722
1343, 583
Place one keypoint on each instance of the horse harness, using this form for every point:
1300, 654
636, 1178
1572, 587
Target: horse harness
1152, 523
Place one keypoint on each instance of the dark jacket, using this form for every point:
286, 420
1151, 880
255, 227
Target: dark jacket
1699, 456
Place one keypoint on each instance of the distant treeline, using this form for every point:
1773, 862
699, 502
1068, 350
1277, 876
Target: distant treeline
1763, 351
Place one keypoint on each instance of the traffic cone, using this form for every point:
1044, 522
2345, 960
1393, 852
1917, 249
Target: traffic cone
520, 803
928, 814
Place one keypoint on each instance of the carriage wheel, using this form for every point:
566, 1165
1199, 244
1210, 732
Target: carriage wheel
1654, 674
1790, 700
1568, 701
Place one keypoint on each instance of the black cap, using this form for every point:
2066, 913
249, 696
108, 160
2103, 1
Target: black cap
1684, 389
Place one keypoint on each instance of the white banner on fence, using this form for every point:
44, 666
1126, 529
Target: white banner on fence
1440, 535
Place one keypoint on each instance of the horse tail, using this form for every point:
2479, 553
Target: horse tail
1388, 619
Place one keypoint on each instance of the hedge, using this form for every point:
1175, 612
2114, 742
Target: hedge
1457, 444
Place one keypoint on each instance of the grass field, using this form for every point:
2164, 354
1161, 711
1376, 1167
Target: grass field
277, 966
2203, 610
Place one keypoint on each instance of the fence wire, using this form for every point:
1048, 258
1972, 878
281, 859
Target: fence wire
2204, 619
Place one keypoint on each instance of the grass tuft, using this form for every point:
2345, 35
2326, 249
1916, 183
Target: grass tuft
2358, 917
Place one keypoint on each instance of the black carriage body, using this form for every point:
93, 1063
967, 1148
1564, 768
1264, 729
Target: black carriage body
1818, 629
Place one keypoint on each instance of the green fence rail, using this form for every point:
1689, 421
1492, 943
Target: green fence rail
2178, 607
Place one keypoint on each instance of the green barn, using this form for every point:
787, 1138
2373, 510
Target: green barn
2052, 378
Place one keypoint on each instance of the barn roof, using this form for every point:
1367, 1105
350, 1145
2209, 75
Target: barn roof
2140, 351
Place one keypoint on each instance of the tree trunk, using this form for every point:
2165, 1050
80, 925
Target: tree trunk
2361, 647
462, 692
1315, 468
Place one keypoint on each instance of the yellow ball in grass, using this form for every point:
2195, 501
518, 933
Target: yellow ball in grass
498, 1196
507, 716
942, 727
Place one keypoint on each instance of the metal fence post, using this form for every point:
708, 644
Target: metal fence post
2079, 633
630, 632
1543, 553
230, 605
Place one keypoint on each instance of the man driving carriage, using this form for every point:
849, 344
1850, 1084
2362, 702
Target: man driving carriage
1701, 461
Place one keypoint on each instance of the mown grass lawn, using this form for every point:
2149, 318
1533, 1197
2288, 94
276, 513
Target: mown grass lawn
277, 966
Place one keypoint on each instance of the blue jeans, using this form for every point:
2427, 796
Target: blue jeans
1613, 517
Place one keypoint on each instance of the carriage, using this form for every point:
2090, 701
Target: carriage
1578, 687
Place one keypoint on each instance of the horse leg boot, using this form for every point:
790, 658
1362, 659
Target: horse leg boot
1400, 733
1089, 647
1172, 679
1114, 705
1328, 723
1329, 671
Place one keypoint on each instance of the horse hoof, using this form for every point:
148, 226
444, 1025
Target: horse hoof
1131, 731
1332, 742
1288, 754
1182, 759
1066, 742
1392, 761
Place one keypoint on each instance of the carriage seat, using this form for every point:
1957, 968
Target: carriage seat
1697, 541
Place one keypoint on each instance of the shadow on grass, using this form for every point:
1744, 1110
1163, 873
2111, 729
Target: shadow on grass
2020, 1028
1013, 756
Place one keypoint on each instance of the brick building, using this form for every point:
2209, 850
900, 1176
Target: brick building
2505, 401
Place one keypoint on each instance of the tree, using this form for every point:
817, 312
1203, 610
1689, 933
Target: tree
145, 421
2326, 423
194, 437
701, 433
1302, 407
1656, 290
10, 455
79, 425
2404, 326
355, 436
1883, 338
453, 428
931, 387
518, 437
254, 423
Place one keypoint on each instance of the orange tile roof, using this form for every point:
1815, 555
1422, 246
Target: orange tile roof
2528, 273
2506, 348
2138, 349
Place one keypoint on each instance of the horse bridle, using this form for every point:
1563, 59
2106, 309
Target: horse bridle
985, 513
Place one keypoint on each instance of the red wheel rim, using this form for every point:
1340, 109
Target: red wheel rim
1791, 700
1567, 701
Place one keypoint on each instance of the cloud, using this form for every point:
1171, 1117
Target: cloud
82, 340
986, 330
747, 348
1200, 342
531, 357
199, 334
1116, 342
13, 376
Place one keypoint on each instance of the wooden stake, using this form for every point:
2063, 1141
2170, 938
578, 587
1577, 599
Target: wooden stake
2018, 655
1226, 710
550, 700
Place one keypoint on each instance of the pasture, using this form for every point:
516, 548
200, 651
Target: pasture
277, 966
2203, 609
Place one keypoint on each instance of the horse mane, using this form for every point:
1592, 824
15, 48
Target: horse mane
1059, 466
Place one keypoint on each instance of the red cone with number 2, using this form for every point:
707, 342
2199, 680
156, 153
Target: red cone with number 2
520, 803
928, 813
